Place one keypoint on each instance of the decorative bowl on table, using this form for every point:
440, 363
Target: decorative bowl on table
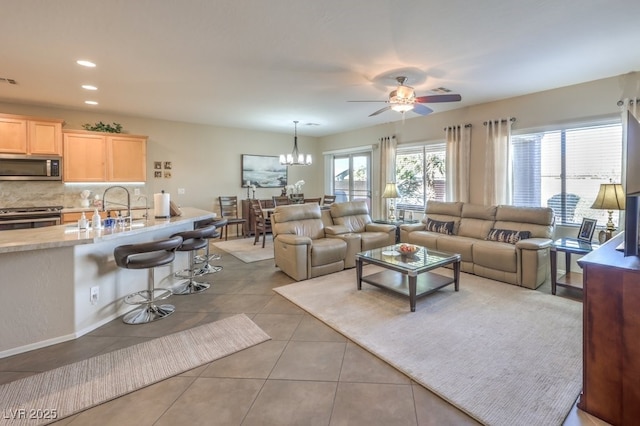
407, 249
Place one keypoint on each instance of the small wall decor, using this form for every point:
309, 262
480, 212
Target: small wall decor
157, 174
167, 165
263, 171
167, 175
157, 165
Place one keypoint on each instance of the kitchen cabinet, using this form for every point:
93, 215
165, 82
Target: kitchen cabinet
98, 157
30, 135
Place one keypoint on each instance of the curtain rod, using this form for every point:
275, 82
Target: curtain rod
451, 127
631, 101
504, 120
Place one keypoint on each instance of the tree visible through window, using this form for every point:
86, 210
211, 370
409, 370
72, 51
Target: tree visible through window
420, 175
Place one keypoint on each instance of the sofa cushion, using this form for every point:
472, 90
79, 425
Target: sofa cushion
454, 244
507, 235
444, 212
537, 220
328, 250
371, 240
439, 226
354, 215
496, 256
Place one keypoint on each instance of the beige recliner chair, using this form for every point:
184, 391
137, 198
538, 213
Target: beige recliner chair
352, 222
300, 247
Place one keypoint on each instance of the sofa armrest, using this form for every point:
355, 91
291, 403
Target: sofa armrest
336, 230
380, 227
294, 239
354, 244
534, 243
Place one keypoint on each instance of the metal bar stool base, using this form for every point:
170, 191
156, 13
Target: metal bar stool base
207, 269
148, 314
189, 287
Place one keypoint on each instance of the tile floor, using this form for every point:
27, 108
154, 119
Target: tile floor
307, 374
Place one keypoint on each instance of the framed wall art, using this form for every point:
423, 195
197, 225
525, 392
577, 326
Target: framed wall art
263, 171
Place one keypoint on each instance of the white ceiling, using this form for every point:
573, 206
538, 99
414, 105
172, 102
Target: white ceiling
260, 64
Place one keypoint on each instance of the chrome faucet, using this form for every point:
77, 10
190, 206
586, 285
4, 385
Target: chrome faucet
146, 205
128, 205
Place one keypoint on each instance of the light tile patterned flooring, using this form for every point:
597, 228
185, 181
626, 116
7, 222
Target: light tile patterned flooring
308, 374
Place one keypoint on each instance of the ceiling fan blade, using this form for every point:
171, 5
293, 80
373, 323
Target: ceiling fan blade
422, 109
367, 101
438, 98
380, 111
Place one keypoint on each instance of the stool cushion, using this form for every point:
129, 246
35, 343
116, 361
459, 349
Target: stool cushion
194, 240
147, 255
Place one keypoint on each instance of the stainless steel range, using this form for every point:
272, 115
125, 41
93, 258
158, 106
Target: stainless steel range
29, 217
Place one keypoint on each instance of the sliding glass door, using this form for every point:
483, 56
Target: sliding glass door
352, 177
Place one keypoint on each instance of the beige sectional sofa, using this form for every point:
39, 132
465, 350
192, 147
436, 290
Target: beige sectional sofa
309, 242
504, 243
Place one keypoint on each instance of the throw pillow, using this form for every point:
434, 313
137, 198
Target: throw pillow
440, 226
507, 235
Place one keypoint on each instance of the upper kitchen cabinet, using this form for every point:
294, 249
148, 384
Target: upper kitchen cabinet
99, 157
30, 135
126, 158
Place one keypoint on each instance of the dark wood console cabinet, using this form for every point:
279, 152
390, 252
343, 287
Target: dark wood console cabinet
611, 329
247, 213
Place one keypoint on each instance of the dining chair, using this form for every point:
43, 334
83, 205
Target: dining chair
280, 200
261, 222
328, 200
312, 200
229, 211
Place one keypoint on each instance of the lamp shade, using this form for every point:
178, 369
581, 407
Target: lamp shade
610, 197
390, 191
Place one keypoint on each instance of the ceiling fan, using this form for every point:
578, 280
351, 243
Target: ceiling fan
404, 99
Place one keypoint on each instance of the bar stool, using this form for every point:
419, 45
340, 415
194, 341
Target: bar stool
147, 256
207, 268
192, 242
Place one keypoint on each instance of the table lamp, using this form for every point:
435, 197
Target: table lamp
391, 191
610, 197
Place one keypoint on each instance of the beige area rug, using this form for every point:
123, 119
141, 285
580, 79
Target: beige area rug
244, 249
66, 390
502, 354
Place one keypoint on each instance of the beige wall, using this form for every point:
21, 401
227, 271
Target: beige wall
206, 159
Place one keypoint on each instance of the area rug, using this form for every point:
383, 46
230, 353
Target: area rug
244, 249
58, 393
502, 354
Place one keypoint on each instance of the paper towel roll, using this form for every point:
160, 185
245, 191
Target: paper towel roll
161, 205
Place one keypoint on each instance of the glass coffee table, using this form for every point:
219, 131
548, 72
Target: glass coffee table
408, 274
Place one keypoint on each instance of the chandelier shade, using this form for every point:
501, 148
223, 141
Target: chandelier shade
296, 158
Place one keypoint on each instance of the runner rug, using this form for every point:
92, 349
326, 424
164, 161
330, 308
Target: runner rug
58, 393
503, 354
244, 249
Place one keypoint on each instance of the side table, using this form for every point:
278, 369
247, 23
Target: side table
396, 223
569, 246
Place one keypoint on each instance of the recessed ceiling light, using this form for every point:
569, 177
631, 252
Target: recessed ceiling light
89, 87
86, 63
91, 102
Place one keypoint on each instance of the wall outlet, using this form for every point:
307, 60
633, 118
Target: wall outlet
95, 295
180, 191
136, 191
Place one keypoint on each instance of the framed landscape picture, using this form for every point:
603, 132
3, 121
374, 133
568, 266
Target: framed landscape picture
263, 171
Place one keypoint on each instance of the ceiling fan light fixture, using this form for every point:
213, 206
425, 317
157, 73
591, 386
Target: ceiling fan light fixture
295, 158
402, 107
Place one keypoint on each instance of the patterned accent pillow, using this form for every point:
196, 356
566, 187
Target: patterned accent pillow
507, 235
439, 226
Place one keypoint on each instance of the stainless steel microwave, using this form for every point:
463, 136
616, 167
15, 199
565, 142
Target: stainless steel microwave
26, 167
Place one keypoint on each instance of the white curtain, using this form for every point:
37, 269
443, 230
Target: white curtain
458, 157
632, 106
498, 167
387, 170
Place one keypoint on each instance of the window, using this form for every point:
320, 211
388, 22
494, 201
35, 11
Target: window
563, 169
352, 177
420, 175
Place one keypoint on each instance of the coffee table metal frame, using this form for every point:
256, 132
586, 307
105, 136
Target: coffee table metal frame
408, 274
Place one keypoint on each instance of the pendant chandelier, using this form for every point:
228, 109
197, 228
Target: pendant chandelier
295, 158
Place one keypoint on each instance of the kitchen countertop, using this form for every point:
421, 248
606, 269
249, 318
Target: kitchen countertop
70, 235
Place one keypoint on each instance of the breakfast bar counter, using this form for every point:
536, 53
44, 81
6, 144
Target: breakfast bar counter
48, 273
